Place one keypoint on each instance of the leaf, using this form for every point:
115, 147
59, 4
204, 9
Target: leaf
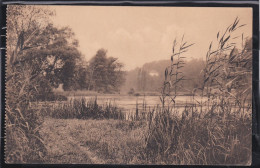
182, 37
234, 24
230, 82
232, 54
174, 42
173, 100
161, 99
216, 75
187, 46
171, 71
214, 70
242, 39
206, 79
214, 52
226, 40
184, 44
240, 26
210, 45
235, 37
166, 73
180, 52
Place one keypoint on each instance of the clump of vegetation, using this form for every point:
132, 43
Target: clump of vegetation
82, 109
199, 140
39, 57
23, 141
163, 127
216, 131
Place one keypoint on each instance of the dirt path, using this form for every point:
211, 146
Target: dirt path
63, 147
85, 150
92, 141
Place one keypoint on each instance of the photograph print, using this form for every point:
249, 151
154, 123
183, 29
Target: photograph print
132, 85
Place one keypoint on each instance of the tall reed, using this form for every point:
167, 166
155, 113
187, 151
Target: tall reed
215, 131
163, 129
83, 109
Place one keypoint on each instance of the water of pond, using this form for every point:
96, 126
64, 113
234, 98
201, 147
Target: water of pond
130, 103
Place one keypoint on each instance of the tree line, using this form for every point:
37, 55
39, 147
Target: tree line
149, 77
102, 74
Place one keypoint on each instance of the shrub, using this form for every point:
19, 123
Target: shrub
82, 109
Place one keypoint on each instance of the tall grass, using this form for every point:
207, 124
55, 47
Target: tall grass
82, 109
23, 143
216, 131
173, 75
195, 139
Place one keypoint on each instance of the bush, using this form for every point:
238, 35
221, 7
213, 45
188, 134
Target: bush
81, 109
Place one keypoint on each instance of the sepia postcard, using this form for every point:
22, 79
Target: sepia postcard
134, 85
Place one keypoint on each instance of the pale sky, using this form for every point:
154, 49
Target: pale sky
137, 35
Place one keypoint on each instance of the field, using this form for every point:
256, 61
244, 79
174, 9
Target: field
188, 140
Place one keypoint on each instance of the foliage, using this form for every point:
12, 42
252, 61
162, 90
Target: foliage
23, 143
216, 131
228, 70
195, 139
82, 109
106, 73
173, 75
39, 57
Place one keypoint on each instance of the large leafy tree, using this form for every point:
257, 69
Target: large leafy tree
106, 73
48, 53
55, 56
